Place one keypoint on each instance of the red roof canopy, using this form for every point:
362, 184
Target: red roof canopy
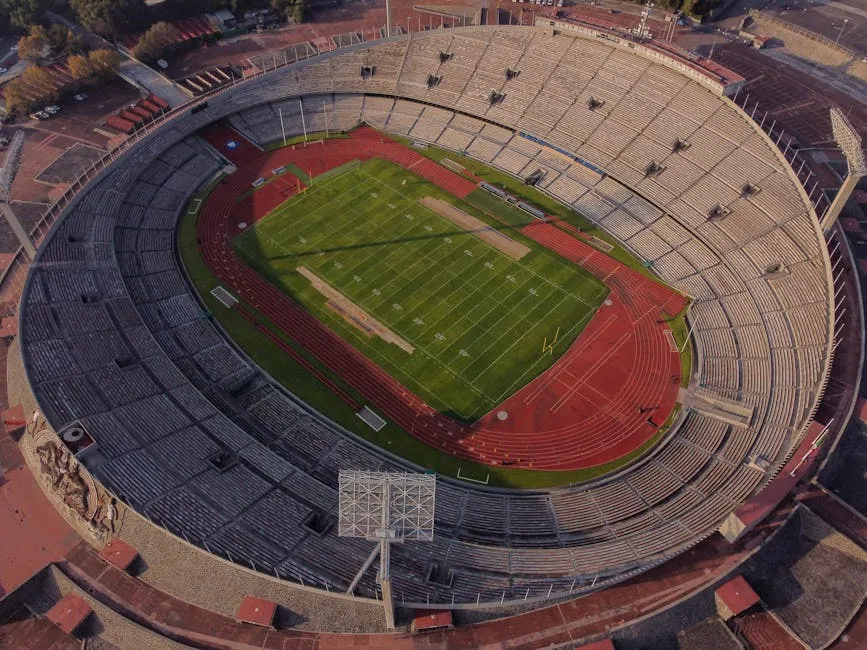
431, 619
69, 612
257, 611
737, 595
118, 553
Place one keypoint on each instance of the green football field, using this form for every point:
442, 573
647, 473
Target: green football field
481, 323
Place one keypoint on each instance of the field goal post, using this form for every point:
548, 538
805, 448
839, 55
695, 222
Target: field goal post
385, 507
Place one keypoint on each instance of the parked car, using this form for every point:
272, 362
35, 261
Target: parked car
80, 97
3, 70
52, 110
39, 115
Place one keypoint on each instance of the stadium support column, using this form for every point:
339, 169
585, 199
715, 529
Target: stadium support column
18, 229
384, 558
387, 18
850, 143
840, 200
385, 583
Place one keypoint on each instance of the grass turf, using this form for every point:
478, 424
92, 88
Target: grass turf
306, 387
477, 318
536, 197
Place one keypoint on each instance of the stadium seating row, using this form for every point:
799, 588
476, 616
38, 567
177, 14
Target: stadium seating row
193, 435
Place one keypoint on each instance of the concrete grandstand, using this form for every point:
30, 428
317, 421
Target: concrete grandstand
113, 338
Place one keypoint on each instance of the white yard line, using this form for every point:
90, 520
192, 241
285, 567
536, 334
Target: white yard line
391, 266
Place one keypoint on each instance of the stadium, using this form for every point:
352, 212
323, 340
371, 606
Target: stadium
598, 301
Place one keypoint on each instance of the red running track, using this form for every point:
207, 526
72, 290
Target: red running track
606, 396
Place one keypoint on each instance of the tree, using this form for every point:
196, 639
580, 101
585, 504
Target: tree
104, 62
16, 102
300, 11
80, 67
156, 42
34, 87
31, 47
41, 82
20, 14
65, 41
111, 17
240, 7
283, 6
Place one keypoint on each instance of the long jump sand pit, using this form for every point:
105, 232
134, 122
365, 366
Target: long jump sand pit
514, 249
352, 313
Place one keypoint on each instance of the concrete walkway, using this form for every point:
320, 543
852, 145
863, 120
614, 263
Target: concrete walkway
143, 77
33, 532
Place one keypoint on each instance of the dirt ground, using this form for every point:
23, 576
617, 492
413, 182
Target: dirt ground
353, 314
503, 243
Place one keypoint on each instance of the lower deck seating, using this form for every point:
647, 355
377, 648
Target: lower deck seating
120, 346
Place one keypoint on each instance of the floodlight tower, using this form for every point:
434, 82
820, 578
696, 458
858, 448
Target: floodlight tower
385, 507
850, 143
7, 175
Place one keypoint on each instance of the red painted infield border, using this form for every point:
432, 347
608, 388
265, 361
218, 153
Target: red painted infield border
606, 396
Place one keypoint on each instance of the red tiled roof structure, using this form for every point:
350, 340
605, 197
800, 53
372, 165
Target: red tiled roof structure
119, 554
735, 597
69, 612
257, 611
431, 619
119, 123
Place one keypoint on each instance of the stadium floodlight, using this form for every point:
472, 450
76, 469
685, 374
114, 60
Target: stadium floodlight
386, 507
849, 141
11, 163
